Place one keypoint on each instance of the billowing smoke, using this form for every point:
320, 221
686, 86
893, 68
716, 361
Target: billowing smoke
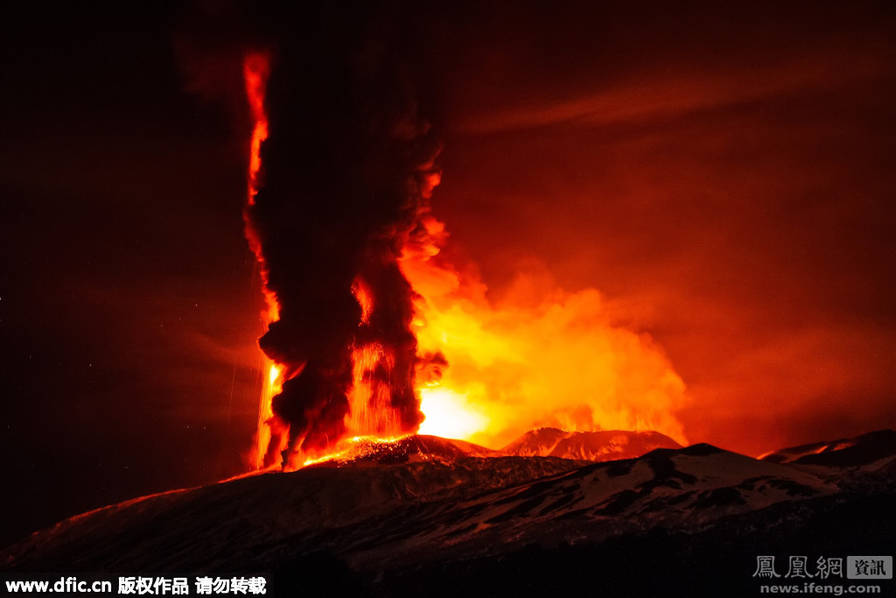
346, 170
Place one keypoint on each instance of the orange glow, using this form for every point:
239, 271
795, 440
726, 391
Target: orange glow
365, 299
370, 400
271, 388
371, 414
256, 68
537, 356
347, 447
273, 375
449, 414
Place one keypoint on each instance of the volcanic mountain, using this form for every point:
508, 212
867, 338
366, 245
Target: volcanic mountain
542, 442
409, 449
603, 445
430, 516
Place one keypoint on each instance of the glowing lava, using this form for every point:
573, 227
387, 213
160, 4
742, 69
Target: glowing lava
256, 69
371, 414
535, 356
448, 414
370, 407
487, 369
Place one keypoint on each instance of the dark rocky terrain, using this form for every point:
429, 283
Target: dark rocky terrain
430, 516
843, 452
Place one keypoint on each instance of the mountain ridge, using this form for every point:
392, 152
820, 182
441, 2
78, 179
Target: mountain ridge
424, 505
600, 445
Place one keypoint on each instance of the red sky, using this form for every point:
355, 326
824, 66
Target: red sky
725, 180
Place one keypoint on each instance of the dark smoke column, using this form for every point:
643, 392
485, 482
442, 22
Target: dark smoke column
346, 169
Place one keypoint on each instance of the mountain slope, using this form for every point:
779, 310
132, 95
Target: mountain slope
385, 515
681, 489
422, 517
228, 523
410, 449
844, 452
604, 445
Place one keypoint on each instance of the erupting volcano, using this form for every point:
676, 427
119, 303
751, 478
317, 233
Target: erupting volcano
369, 331
333, 200
506, 292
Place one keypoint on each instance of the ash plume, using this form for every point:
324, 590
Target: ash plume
346, 170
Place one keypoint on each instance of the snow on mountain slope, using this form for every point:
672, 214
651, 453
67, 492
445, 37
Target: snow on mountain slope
229, 522
604, 445
844, 452
385, 515
681, 489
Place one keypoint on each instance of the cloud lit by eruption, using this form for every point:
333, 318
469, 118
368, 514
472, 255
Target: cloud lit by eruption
369, 330
535, 356
342, 174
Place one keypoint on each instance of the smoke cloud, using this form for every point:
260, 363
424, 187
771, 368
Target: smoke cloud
346, 169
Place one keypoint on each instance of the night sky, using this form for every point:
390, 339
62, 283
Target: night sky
726, 180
